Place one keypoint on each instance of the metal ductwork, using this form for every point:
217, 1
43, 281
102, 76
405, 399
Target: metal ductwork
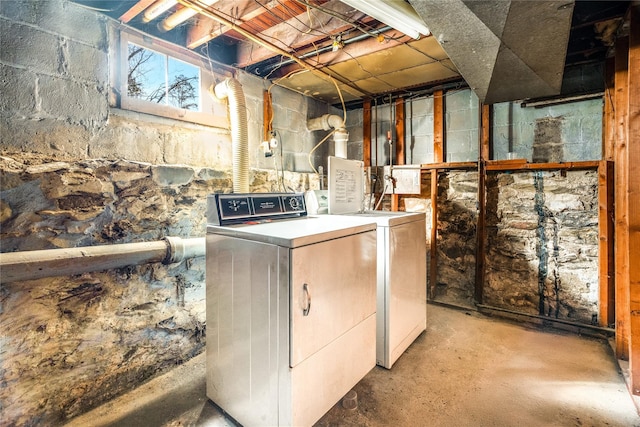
505, 50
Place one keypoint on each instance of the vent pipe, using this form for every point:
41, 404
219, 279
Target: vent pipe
340, 136
232, 89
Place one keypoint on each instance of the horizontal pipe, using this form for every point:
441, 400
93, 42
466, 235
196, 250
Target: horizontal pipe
29, 265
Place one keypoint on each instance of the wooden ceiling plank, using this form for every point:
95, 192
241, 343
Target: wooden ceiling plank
135, 10
295, 33
206, 29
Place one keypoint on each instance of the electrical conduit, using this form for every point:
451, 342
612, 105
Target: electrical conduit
29, 265
232, 89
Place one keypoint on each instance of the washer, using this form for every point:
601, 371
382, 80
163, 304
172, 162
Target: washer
291, 303
402, 261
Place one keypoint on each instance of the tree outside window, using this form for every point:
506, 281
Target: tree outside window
160, 79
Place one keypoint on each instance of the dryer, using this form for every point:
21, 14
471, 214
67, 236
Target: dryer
291, 308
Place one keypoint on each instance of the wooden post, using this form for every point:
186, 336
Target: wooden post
438, 126
267, 115
438, 157
485, 149
606, 216
621, 200
366, 133
400, 145
433, 266
609, 118
400, 139
633, 188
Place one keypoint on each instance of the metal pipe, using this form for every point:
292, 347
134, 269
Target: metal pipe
199, 6
29, 265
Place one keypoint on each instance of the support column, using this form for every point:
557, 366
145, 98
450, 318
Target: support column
621, 200
366, 133
485, 149
633, 198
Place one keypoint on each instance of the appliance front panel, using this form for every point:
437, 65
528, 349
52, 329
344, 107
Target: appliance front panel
333, 288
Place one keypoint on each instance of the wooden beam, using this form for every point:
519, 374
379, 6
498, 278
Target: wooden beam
135, 10
206, 29
608, 116
400, 139
267, 115
621, 200
295, 33
633, 205
400, 146
438, 126
515, 165
265, 43
485, 149
366, 132
449, 165
433, 262
606, 262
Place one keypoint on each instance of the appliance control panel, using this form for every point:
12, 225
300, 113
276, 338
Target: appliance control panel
242, 208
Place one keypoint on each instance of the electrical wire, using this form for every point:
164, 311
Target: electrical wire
384, 191
316, 147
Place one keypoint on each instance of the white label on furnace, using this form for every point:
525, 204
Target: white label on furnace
345, 186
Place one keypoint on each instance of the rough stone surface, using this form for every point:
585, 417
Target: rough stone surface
96, 335
542, 244
456, 245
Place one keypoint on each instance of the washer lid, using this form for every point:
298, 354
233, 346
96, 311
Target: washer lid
292, 233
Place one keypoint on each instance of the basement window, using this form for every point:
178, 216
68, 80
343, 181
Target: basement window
158, 78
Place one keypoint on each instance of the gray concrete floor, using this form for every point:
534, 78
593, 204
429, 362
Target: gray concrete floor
465, 370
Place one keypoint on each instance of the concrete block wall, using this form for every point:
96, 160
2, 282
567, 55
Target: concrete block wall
575, 127
75, 171
461, 126
419, 131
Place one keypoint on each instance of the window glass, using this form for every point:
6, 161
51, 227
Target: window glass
157, 78
151, 76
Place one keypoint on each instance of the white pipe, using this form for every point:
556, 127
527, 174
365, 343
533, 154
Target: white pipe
29, 265
340, 136
158, 8
178, 17
232, 89
325, 122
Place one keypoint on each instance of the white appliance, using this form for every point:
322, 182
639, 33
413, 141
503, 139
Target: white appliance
402, 261
291, 303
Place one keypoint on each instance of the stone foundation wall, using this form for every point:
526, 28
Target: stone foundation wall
75, 171
70, 343
542, 244
456, 245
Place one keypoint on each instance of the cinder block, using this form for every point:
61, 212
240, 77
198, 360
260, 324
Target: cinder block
75, 102
29, 47
143, 143
45, 135
18, 89
88, 63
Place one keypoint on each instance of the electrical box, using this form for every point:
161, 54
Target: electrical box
406, 179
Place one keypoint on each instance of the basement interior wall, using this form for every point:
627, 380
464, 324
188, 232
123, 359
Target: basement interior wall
542, 227
76, 171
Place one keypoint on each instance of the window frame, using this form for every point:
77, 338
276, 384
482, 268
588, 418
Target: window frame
213, 112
